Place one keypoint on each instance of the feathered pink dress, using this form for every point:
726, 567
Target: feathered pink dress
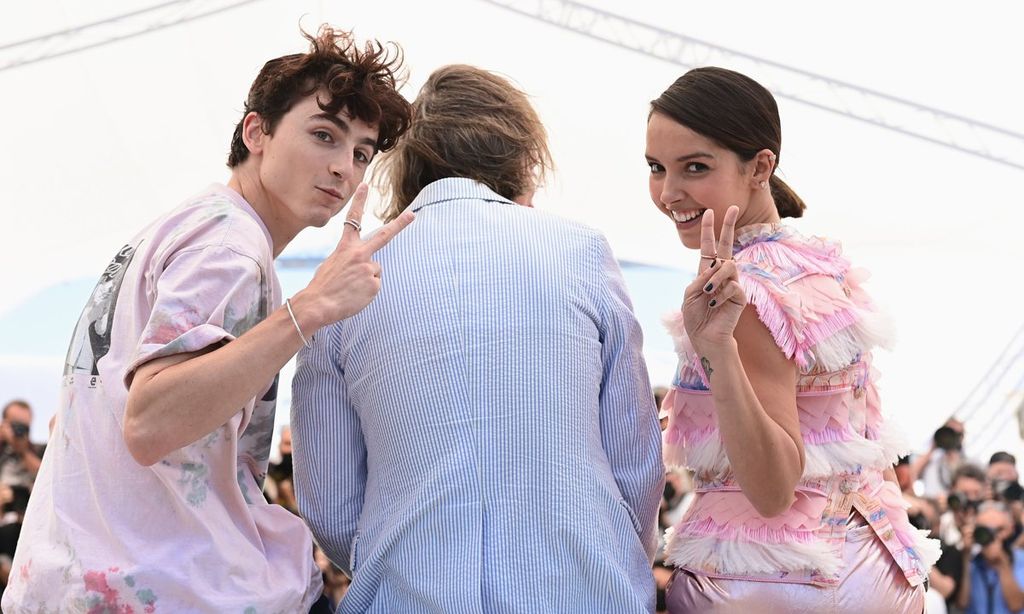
846, 544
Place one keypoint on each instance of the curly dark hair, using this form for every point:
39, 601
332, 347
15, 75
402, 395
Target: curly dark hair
364, 82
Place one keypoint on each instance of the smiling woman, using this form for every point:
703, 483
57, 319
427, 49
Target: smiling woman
705, 158
774, 406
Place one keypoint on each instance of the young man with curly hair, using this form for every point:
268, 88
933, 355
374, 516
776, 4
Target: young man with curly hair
149, 496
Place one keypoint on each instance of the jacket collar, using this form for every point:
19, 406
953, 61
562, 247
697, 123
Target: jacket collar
454, 188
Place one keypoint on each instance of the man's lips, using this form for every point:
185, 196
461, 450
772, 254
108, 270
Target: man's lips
330, 191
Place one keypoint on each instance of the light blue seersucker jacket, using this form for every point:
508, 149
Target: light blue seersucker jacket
483, 436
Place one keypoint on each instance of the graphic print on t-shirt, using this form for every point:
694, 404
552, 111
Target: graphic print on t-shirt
91, 340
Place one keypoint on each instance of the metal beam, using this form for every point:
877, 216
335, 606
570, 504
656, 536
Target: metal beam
110, 30
919, 121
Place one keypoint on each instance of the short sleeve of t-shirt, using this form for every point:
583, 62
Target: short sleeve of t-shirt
204, 296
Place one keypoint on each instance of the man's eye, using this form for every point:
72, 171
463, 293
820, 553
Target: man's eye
323, 135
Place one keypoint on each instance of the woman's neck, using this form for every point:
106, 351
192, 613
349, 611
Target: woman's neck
760, 210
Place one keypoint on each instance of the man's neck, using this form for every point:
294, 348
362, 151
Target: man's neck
248, 186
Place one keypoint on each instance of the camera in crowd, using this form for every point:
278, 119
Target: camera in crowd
1005, 490
19, 429
983, 535
948, 439
959, 502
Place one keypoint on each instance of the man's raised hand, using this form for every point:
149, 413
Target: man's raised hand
348, 279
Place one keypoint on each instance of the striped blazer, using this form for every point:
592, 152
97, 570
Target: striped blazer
483, 437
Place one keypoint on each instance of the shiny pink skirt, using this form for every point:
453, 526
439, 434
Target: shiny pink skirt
872, 584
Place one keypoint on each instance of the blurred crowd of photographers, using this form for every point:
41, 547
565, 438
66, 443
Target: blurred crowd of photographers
976, 508
19, 463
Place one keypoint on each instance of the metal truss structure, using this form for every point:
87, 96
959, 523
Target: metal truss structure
862, 104
995, 402
110, 30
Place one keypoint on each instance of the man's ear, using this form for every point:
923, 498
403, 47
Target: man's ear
252, 132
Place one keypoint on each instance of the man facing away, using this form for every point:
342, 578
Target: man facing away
149, 498
483, 437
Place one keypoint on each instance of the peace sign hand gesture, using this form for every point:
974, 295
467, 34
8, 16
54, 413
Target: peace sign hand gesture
714, 300
348, 279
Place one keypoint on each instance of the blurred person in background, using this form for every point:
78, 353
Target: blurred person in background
969, 489
678, 496
993, 571
1003, 480
1002, 466
678, 493
335, 580
19, 458
659, 398
904, 475
924, 515
922, 512
936, 466
15, 501
280, 485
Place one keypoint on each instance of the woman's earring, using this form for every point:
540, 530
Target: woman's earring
764, 184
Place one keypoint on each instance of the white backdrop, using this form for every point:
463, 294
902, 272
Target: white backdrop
97, 143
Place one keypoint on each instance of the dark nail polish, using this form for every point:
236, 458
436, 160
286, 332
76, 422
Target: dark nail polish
708, 287
713, 302
712, 265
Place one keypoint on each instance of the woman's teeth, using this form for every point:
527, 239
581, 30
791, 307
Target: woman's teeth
686, 216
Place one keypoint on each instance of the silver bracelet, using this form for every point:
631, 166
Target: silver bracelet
288, 305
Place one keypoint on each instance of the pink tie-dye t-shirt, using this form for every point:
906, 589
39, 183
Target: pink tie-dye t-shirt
191, 533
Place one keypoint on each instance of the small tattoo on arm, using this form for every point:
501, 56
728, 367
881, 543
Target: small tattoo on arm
706, 364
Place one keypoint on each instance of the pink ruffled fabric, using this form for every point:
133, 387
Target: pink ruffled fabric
722, 531
806, 294
843, 431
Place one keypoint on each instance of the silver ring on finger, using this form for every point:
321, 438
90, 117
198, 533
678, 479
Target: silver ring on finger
354, 224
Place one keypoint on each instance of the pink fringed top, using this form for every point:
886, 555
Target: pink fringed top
805, 292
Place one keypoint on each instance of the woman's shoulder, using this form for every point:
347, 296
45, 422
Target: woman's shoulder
806, 293
781, 252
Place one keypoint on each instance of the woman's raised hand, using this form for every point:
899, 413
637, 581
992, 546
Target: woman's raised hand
714, 300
